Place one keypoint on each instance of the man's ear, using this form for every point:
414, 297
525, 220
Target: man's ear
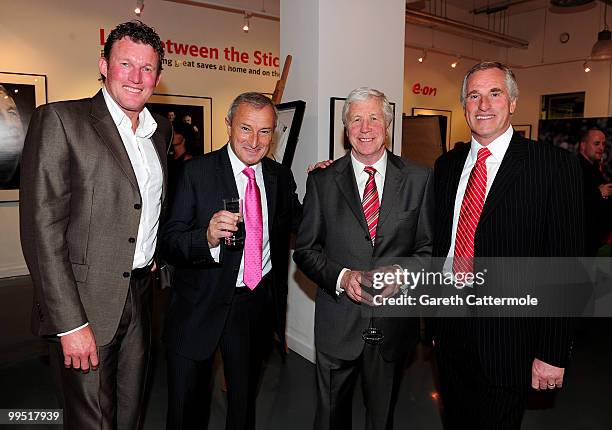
103, 66
512, 106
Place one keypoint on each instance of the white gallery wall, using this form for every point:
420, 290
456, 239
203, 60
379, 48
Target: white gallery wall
61, 39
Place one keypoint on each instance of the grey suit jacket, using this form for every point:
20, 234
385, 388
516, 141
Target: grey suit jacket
79, 215
333, 235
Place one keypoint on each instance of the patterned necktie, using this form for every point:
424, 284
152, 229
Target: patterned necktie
471, 208
370, 203
253, 224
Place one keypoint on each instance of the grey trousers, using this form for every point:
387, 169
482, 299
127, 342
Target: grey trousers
110, 397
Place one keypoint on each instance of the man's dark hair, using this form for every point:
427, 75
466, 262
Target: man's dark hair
138, 32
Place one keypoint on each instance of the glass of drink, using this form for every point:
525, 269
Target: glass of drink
234, 205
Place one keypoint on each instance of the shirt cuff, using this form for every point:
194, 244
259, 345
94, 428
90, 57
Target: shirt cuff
215, 252
339, 289
73, 330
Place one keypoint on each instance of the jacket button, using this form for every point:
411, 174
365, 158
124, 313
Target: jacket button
137, 206
131, 240
126, 274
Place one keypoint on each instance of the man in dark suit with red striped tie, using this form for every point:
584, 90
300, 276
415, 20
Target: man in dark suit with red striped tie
501, 196
367, 207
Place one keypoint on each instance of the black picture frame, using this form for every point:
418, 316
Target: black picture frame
198, 107
287, 132
338, 141
524, 130
22, 93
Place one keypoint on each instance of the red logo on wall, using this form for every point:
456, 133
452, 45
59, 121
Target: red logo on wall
423, 90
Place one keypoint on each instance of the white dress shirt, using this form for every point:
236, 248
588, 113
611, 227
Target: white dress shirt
361, 177
498, 149
148, 171
241, 183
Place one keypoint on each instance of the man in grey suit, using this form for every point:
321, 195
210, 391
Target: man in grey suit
92, 188
368, 207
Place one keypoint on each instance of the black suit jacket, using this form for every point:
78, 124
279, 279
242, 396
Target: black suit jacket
334, 235
533, 209
597, 210
202, 289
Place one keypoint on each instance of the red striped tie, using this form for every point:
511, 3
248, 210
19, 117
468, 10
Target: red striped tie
370, 203
471, 208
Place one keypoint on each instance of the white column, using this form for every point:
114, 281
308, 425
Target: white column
337, 45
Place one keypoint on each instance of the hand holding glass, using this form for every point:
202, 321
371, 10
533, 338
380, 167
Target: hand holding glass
234, 205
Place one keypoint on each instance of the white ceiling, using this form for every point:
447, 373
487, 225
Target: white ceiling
269, 7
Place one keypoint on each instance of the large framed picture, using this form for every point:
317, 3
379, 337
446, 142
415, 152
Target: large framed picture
286, 135
20, 93
338, 140
445, 118
193, 110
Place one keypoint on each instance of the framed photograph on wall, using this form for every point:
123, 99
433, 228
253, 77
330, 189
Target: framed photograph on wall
20, 94
290, 116
338, 141
523, 130
194, 110
445, 123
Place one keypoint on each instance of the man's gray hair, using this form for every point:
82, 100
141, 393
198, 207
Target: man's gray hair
513, 91
257, 100
363, 94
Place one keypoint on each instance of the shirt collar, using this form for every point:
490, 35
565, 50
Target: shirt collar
237, 165
146, 123
498, 147
380, 165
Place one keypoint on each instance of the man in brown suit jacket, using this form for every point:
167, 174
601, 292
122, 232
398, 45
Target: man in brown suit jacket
92, 190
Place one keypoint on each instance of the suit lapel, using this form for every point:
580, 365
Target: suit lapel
509, 169
160, 148
104, 125
345, 179
393, 184
225, 173
271, 183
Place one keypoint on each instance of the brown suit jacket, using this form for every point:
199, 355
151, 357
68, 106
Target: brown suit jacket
79, 213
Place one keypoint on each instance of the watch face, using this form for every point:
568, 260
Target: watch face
564, 37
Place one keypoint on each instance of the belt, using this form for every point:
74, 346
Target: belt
141, 272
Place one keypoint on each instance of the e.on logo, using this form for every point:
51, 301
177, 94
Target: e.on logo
426, 91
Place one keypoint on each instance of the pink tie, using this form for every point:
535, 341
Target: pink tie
469, 215
253, 224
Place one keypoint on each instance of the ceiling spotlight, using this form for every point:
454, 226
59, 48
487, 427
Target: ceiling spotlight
423, 56
246, 25
456, 62
139, 7
586, 66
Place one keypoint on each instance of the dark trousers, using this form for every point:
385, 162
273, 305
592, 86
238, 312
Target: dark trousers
469, 400
244, 342
336, 381
110, 397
